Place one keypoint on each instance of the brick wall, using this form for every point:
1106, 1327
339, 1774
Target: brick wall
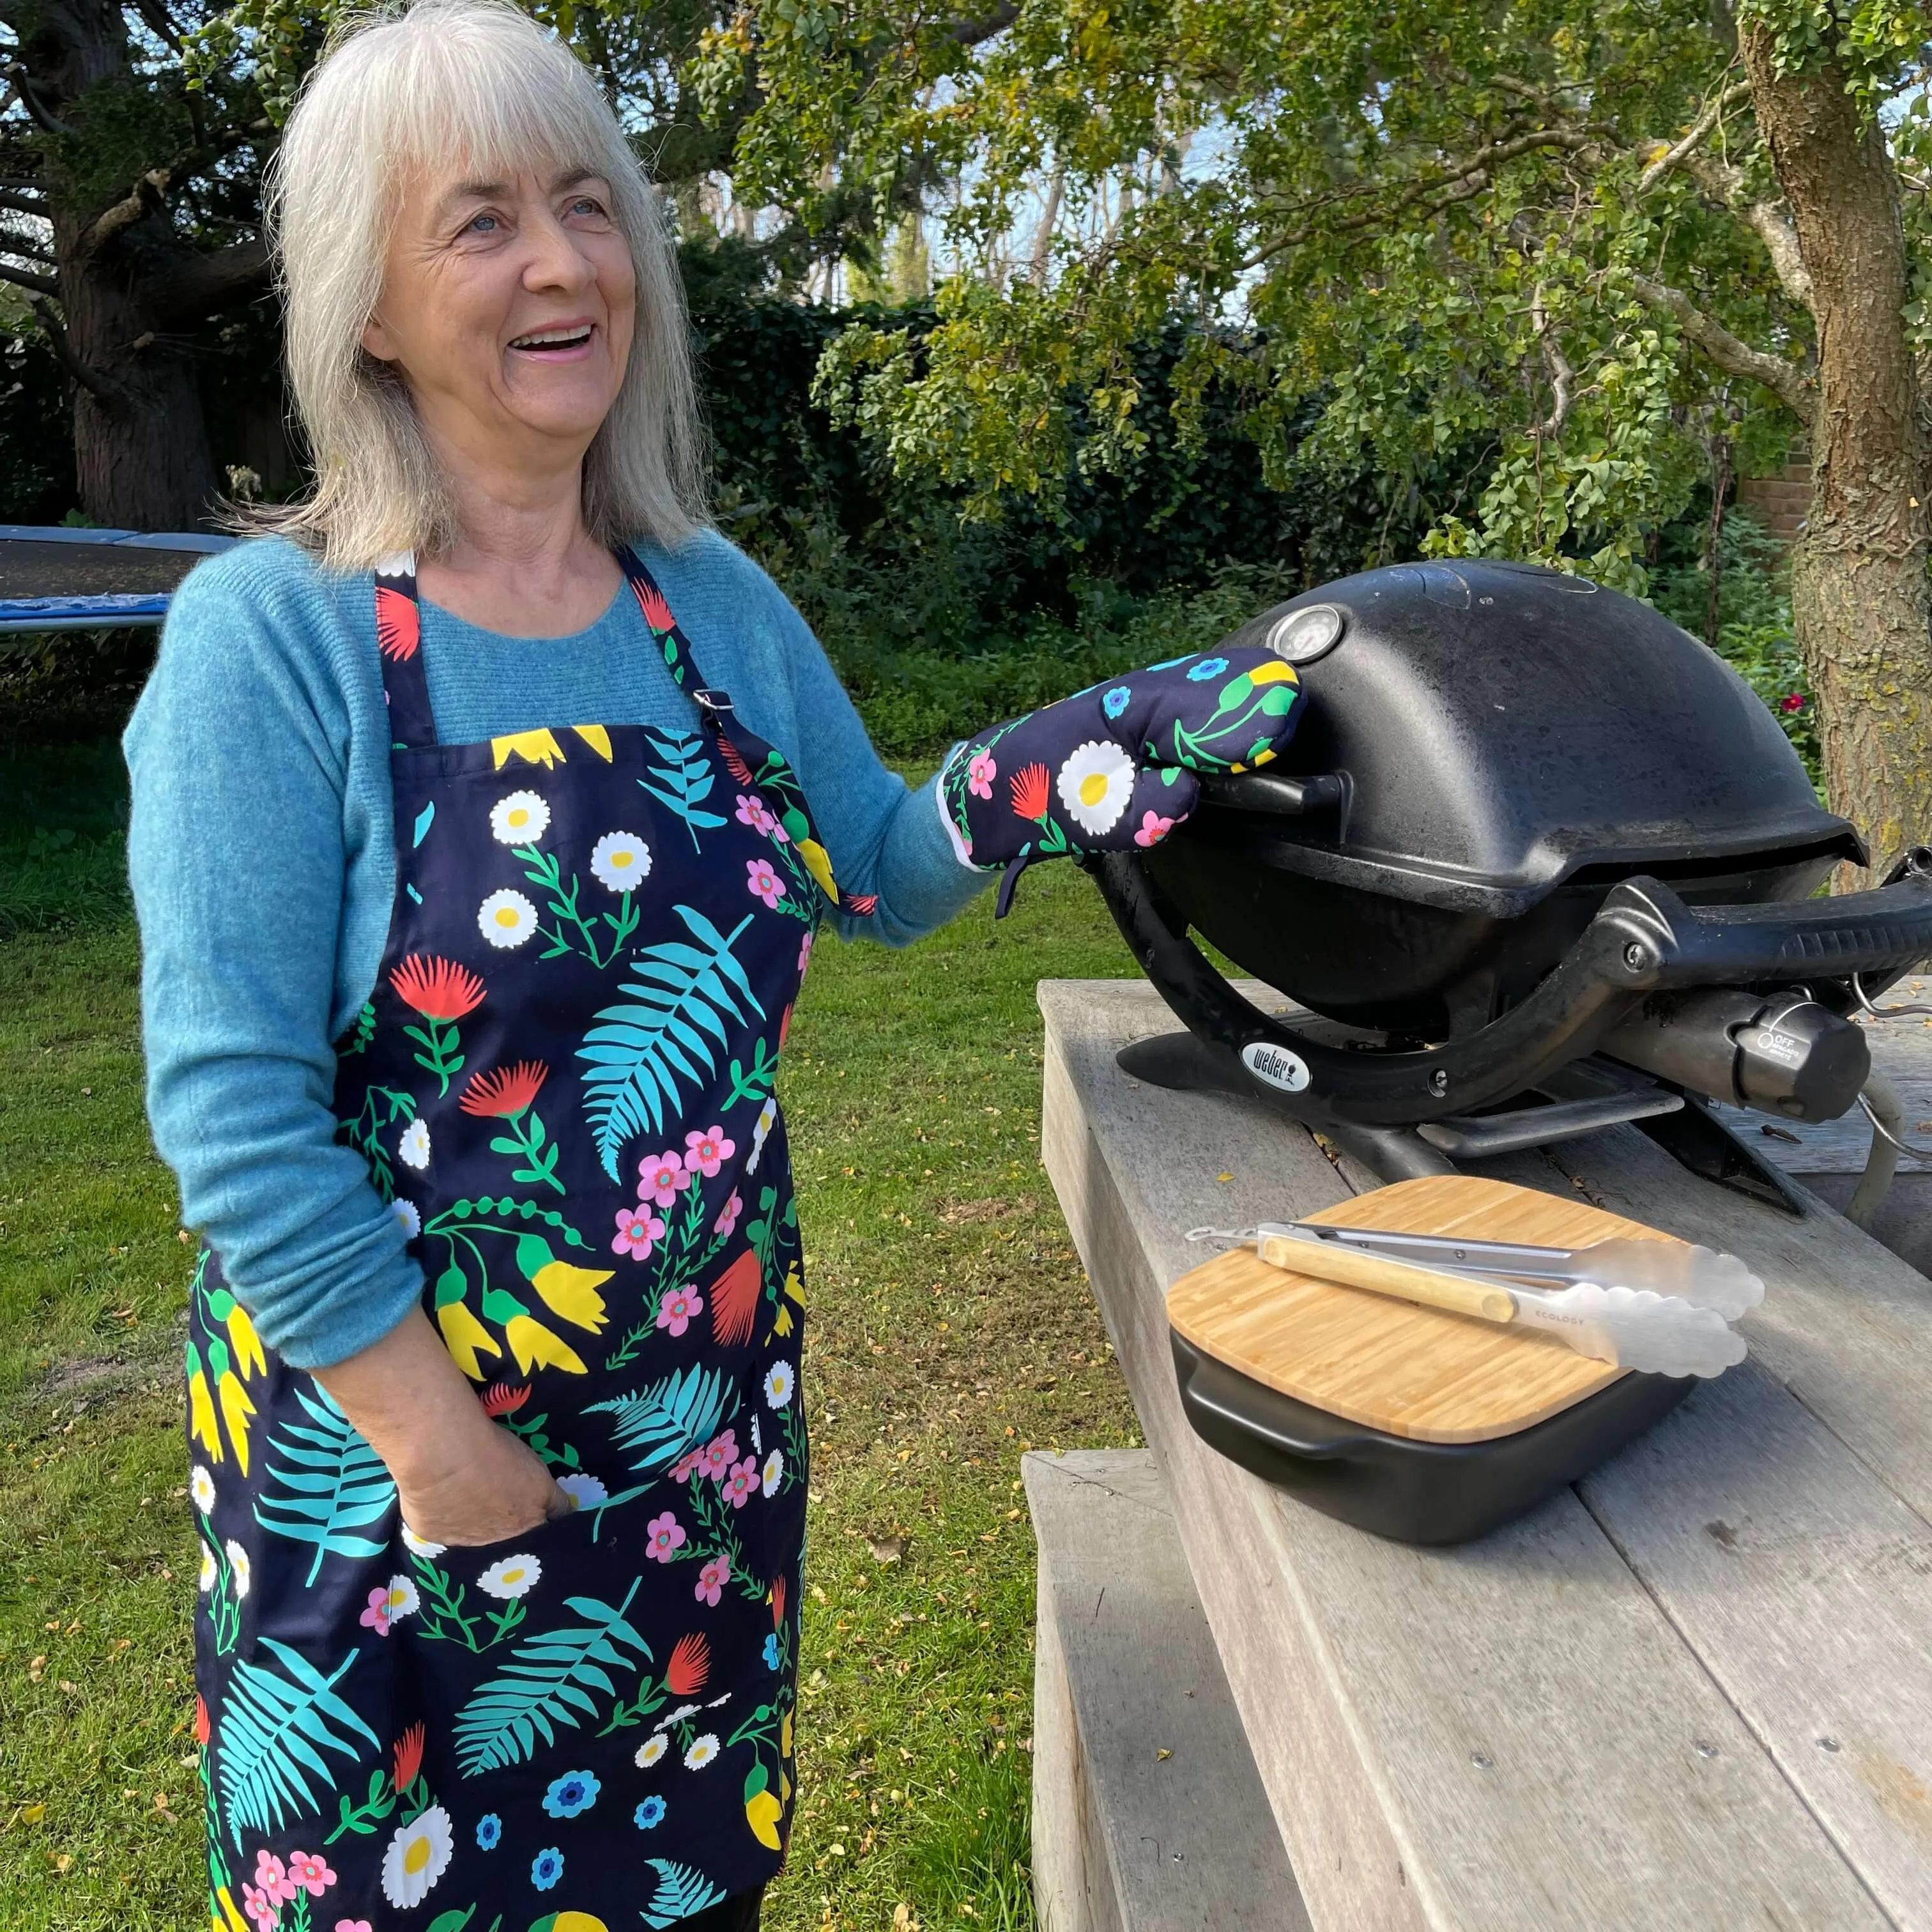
1780, 502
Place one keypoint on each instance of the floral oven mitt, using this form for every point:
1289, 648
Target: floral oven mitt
1113, 766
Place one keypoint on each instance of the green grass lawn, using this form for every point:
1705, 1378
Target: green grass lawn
949, 1329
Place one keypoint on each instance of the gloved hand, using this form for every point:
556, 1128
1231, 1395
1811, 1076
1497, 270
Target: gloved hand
1113, 767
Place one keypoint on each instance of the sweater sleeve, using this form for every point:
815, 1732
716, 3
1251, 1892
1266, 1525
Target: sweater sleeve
241, 833
886, 839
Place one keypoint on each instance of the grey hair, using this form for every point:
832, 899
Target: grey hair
480, 81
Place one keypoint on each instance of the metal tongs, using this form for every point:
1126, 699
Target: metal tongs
1656, 1306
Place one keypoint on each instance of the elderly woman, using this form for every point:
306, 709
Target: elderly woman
474, 911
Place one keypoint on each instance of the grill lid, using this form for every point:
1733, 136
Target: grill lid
1500, 727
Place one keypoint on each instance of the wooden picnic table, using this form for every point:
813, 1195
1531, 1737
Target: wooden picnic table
1694, 1691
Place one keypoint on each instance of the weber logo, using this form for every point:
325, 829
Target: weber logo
1276, 1065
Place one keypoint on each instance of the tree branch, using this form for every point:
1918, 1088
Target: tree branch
1675, 156
25, 278
970, 34
1562, 376
1724, 183
1785, 380
16, 203
205, 283
89, 378
141, 201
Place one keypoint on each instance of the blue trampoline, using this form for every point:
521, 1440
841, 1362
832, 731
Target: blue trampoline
55, 578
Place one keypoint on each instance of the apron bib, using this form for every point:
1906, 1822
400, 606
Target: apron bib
563, 1087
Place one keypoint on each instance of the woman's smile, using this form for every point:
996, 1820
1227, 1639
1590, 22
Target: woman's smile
560, 342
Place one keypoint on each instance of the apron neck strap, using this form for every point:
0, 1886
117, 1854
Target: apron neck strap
399, 642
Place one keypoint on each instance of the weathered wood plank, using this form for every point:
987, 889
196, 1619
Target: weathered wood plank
1805, 1587
1149, 1814
1504, 1736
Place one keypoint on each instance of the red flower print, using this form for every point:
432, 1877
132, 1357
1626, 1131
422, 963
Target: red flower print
734, 1298
1029, 792
763, 882
739, 1486
1153, 829
784, 1025
504, 1398
311, 1872
409, 1751
734, 759
778, 1601
678, 1309
706, 1150
638, 1232
504, 1092
689, 1668
862, 905
711, 1579
664, 1536
657, 612
398, 624
202, 1729
436, 988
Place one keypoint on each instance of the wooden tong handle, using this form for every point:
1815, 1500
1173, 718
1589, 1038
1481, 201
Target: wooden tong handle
1330, 1260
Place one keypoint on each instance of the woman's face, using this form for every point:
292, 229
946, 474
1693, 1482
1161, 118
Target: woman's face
508, 306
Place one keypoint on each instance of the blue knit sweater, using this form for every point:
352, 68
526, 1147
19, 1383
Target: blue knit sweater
261, 850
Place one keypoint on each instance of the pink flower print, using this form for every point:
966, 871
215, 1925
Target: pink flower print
711, 1579
1153, 829
375, 1617
717, 1455
312, 1874
727, 1216
663, 1535
763, 882
661, 1177
638, 1230
704, 1151
980, 775
353, 1925
685, 1467
804, 954
742, 1482
751, 811
265, 1911
678, 1309
273, 1878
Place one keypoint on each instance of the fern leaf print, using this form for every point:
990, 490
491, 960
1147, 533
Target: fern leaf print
328, 1486
681, 1893
549, 1683
660, 1426
274, 1728
642, 1057
683, 782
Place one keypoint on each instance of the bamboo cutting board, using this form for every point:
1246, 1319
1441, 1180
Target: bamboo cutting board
1415, 1372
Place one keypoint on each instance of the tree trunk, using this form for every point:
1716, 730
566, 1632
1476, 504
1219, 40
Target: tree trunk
1861, 602
140, 437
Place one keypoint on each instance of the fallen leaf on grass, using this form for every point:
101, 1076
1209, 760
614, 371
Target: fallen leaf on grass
902, 1919
886, 1549
1162, 1755
32, 1814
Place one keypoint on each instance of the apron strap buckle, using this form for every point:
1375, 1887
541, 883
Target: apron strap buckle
715, 705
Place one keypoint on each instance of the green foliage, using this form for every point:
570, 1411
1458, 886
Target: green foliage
275, 1724
660, 1424
1445, 230
329, 1487
1753, 616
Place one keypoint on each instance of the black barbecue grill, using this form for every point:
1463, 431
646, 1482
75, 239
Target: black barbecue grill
1536, 862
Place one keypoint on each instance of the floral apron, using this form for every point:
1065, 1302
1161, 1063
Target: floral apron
563, 1087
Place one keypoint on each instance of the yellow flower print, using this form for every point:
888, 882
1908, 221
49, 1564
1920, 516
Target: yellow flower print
794, 1288
535, 748
236, 1410
572, 1293
599, 739
531, 1342
818, 863
571, 1922
247, 1344
785, 1738
201, 1409
464, 1336
233, 1921
762, 1813
1273, 672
